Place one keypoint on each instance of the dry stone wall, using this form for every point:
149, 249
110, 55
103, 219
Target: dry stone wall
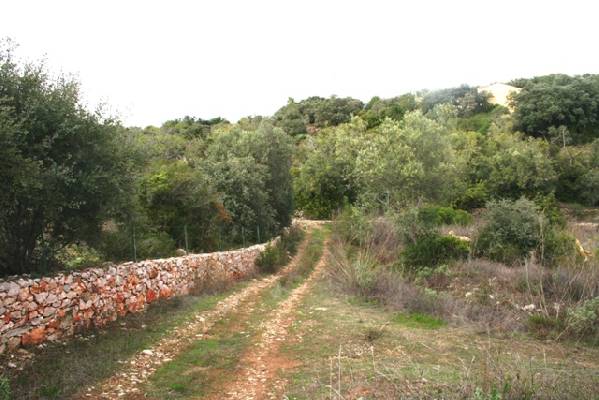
35, 310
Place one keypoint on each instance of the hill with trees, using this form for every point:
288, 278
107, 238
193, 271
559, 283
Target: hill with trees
78, 188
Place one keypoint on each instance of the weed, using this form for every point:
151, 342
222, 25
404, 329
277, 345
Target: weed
278, 254
419, 320
5, 392
373, 333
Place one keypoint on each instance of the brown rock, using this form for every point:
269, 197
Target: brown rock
35, 336
49, 311
24, 294
41, 297
151, 296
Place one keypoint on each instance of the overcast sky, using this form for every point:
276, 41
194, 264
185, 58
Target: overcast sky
153, 61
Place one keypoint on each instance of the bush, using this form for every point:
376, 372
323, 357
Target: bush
558, 247
271, 259
512, 229
357, 274
584, 319
352, 225
473, 197
76, 256
434, 249
278, 254
436, 216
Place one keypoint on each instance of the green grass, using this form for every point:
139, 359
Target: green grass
419, 320
60, 370
308, 260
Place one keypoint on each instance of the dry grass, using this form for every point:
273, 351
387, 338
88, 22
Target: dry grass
356, 350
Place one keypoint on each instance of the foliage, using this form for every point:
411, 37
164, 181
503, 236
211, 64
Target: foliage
324, 181
475, 196
377, 109
419, 320
432, 250
584, 319
5, 391
190, 127
61, 167
554, 101
252, 172
436, 215
511, 166
76, 256
578, 169
352, 225
278, 254
315, 113
512, 229
392, 164
67, 174
467, 100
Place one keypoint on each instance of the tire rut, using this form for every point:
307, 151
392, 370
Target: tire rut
257, 378
127, 383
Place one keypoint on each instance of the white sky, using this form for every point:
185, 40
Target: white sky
152, 61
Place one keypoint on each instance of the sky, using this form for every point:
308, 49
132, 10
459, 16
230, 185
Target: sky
150, 61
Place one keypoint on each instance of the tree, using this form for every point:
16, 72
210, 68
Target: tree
468, 100
394, 108
549, 102
60, 166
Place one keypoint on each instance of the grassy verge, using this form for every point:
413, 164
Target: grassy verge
209, 363
58, 370
351, 349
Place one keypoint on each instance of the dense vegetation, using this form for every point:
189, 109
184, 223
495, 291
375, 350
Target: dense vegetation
78, 188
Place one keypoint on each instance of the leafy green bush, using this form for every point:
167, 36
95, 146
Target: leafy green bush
5, 392
512, 229
435, 216
584, 319
433, 249
473, 197
271, 259
76, 256
557, 247
278, 254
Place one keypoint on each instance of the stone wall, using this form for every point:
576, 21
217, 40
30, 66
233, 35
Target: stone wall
35, 310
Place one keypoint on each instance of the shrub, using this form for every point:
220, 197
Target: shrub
271, 259
433, 249
511, 230
357, 274
558, 246
278, 254
584, 319
410, 226
76, 256
473, 197
352, 225
435, 216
